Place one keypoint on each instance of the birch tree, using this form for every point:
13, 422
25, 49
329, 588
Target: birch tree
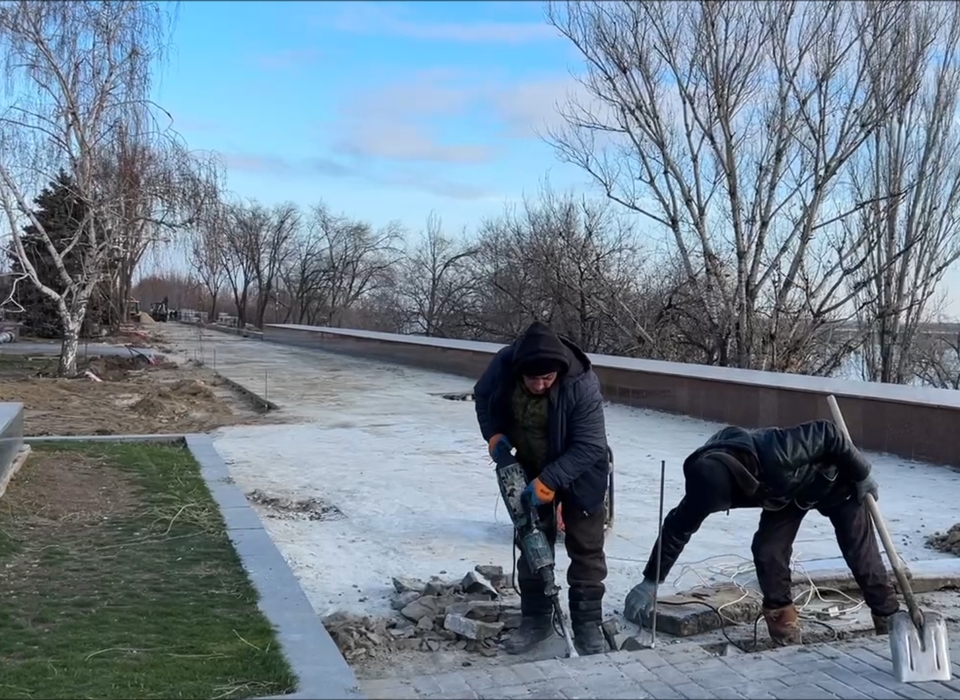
77, 74
730, 126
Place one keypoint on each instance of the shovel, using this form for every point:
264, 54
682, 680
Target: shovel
918, 640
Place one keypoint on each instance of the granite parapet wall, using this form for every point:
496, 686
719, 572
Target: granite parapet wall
912, 422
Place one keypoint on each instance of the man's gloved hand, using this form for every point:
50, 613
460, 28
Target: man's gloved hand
639, 601
538, 493
868, 485
499, 447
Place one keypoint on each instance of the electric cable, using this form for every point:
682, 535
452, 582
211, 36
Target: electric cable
803, 601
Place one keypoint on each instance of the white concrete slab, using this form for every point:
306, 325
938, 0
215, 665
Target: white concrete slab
409, 471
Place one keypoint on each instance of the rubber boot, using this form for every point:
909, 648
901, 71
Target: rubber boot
783, 625
536, 622
586, 614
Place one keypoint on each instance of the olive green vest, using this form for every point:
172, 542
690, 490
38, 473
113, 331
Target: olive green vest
530, 431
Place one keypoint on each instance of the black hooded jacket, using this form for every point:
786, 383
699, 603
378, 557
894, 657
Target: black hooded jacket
812, 465
577, 462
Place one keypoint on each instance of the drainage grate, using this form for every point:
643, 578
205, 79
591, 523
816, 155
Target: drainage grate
462, 396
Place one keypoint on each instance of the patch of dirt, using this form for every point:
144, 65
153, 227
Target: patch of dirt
133, 397
295, 509
948, 542
60, 493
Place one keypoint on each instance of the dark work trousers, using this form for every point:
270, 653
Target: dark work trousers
583, 537
773, 548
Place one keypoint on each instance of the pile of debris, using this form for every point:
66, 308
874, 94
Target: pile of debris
465, 614
948, 541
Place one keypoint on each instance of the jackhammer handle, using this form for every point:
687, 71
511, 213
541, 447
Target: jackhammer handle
881, 526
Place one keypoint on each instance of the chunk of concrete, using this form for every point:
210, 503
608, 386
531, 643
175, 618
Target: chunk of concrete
402, 600
610, 628
422, 607
627, 642
404, 585
472, 629
484, 610
476, 583
489, 571
437, 586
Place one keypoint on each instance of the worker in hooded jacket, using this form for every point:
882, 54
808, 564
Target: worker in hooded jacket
540, 396
786, 472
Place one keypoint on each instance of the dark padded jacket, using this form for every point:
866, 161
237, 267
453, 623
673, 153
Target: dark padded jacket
812, 465
577, 461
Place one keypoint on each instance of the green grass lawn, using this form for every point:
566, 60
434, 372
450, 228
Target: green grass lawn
118, 580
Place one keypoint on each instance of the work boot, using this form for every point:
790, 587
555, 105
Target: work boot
533, 629
536, 621
586, 614
881, 624
783, 625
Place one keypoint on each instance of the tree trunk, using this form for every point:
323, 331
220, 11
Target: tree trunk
71, 343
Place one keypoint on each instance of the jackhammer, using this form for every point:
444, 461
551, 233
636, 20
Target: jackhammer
530, 537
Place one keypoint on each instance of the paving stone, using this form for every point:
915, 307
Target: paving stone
841, 689
552, 668
692, 690
761, 669
907, 690
855, 679
735, 693
425, 685
454, 685
671, 676
847, 670
810, 692
662, 691
638, 673
480, 679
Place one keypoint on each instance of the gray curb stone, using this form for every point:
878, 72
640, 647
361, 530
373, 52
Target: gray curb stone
312, 653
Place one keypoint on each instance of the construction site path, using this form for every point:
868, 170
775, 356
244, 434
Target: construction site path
855, 669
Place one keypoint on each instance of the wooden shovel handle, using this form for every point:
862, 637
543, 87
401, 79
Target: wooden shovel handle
881, 526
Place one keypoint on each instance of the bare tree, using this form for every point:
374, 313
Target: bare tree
936, 356
356, 260
569, 262
434, 281
269, 250
161, 190
78, 74
242, 251
207, 252
910, 174
729, 126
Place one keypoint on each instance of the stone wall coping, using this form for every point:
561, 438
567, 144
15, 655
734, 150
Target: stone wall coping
934, 398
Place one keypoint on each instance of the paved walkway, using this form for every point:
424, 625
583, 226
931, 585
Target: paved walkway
855, 669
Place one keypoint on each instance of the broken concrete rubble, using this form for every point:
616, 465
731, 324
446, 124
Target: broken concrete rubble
469, 613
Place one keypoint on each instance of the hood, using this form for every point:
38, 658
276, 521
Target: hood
734, 448
543, 349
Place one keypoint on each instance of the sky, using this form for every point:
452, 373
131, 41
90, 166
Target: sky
385, 111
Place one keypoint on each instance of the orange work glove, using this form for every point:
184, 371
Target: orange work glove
539, 492
499, 447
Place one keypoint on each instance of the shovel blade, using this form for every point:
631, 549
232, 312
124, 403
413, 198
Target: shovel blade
920, 655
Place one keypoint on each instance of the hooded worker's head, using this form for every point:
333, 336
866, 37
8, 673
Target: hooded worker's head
540, 358
710, 481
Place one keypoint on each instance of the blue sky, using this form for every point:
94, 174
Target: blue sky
382, 110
